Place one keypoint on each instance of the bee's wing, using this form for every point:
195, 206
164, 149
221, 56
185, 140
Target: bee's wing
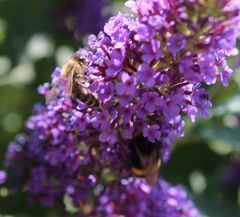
53, 94
69, 86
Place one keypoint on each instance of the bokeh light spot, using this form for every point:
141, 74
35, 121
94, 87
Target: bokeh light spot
62, 54
221, 148
230, 121
4, 192
23, 73
12, 122
198, 182
39, 46
5, 64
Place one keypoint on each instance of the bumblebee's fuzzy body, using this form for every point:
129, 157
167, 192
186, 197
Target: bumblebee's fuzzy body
145, 158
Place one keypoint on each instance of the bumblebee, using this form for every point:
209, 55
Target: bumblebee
146, 160
73, 71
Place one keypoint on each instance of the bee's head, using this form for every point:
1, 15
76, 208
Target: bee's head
82, 60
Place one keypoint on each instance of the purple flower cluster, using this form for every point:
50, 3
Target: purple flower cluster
54, 156
53, 161
78, 18
154, 67
147, 73
120, 199
83, 180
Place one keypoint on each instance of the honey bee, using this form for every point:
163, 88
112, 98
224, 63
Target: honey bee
73, 71
146, 159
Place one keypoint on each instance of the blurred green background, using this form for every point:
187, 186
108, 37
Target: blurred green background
31, 47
